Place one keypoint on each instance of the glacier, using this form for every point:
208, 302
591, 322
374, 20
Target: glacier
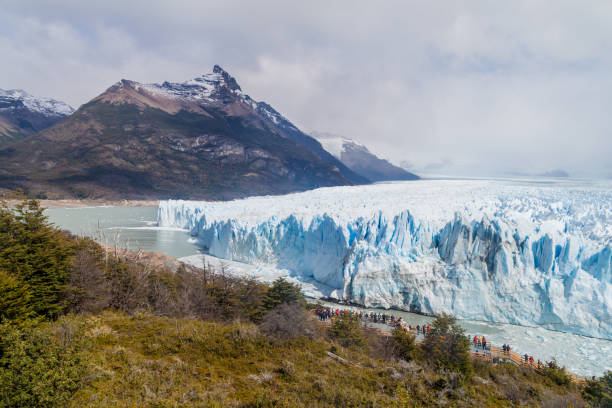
526, 252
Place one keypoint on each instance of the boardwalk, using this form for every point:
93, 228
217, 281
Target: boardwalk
491, 353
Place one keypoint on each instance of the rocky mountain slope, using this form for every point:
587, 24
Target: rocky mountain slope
22, 114
202, 138
358, 158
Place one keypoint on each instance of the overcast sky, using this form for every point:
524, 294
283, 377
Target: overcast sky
476, 87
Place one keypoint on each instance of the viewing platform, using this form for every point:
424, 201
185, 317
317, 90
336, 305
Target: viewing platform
491, 353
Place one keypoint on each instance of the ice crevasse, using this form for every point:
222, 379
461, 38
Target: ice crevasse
501, 251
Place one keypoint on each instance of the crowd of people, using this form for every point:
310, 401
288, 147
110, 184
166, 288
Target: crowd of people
381, 318
479, 341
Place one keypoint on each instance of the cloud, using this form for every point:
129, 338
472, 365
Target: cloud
518, 87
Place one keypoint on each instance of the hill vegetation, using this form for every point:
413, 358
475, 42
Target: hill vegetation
84, 327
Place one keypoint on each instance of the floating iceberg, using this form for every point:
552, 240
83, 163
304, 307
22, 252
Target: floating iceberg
519, 252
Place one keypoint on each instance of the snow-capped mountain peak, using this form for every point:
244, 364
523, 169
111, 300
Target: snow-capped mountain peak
335, 144
358, 158
218, 86
14, 99
212, 88
22, 114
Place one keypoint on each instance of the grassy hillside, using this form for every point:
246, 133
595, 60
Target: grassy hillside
116, 360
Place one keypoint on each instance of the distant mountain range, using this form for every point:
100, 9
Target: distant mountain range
202, 138
560, 173
358, 158
22, 114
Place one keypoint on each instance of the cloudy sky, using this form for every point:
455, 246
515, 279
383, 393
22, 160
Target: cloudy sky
462, 87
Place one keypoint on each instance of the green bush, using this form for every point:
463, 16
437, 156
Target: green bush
40, 366
558, 375
404, 344
599, 391
346, 330
281, 292
447, 347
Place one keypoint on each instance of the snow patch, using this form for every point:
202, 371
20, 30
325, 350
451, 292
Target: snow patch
45, 106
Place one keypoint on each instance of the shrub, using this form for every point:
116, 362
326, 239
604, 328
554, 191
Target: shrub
346, 330
39, 367
281, 292
404, 344
287, 321
599, 391
447, 347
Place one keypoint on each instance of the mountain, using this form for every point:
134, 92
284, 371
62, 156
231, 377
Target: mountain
555, 173
22, 114
358, 158
202, 138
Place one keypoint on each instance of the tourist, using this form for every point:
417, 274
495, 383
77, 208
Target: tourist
484, 342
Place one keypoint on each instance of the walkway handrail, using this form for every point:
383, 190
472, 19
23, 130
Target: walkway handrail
488, 354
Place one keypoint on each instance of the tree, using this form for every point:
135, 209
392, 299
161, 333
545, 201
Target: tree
346, 330
36, 253
404, 344
599, 391
15, 299
287, 321
447, 347
281, 292
88, 288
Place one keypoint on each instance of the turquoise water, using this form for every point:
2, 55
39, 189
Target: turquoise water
131, 227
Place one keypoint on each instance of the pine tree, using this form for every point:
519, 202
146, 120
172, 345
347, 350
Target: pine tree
281, 292
447, 346
36, 253
15, 299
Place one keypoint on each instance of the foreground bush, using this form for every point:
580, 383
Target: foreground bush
404, 344
40, 366
346, 330
599, 391
447, 347
287, 321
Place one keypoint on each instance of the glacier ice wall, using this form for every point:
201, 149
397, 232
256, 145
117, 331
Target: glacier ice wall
511, 252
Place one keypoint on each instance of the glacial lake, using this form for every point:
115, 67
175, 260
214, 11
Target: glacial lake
136, 228
132, 227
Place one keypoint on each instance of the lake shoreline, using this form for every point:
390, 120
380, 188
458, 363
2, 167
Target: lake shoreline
75, 203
